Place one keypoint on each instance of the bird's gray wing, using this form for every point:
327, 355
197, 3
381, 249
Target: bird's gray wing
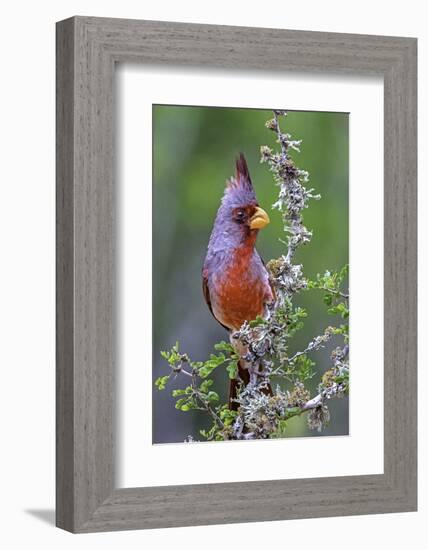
206, 291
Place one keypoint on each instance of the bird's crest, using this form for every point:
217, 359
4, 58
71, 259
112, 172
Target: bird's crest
239, 188
242, 177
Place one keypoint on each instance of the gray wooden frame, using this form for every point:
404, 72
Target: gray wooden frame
87, 50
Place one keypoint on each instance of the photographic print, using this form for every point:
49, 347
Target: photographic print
250, 274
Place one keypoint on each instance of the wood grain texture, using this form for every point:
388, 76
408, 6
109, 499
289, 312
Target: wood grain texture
87, 50
64, 277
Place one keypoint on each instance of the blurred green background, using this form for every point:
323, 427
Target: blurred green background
194, 151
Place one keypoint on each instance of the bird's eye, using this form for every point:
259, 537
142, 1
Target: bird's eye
240, 215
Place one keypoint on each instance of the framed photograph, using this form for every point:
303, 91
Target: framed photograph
236, 274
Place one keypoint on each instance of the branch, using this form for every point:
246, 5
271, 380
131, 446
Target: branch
293, 196
206, 406
335, 292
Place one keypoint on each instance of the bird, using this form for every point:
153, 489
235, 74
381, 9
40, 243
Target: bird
236, 284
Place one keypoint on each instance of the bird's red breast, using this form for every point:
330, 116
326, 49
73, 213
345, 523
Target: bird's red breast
241, 292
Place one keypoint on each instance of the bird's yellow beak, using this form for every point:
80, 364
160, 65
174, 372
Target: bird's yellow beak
259, 219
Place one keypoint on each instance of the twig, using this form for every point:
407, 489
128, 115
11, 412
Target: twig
333, 291
210, 410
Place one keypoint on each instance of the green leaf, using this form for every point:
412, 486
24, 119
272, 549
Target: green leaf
186, 404
204, 387
339, 309
343, 272
206, 370
232, 369
178, 392
224, 346
213, 362
181, 402
172, 356
294, 322
217, 359
257, 322
160, 382
228, 416
302, 368
212, 396
328, 299
208, 434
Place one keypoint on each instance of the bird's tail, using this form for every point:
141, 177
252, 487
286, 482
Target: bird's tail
244, 375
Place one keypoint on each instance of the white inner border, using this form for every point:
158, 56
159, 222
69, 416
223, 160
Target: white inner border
140, 463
